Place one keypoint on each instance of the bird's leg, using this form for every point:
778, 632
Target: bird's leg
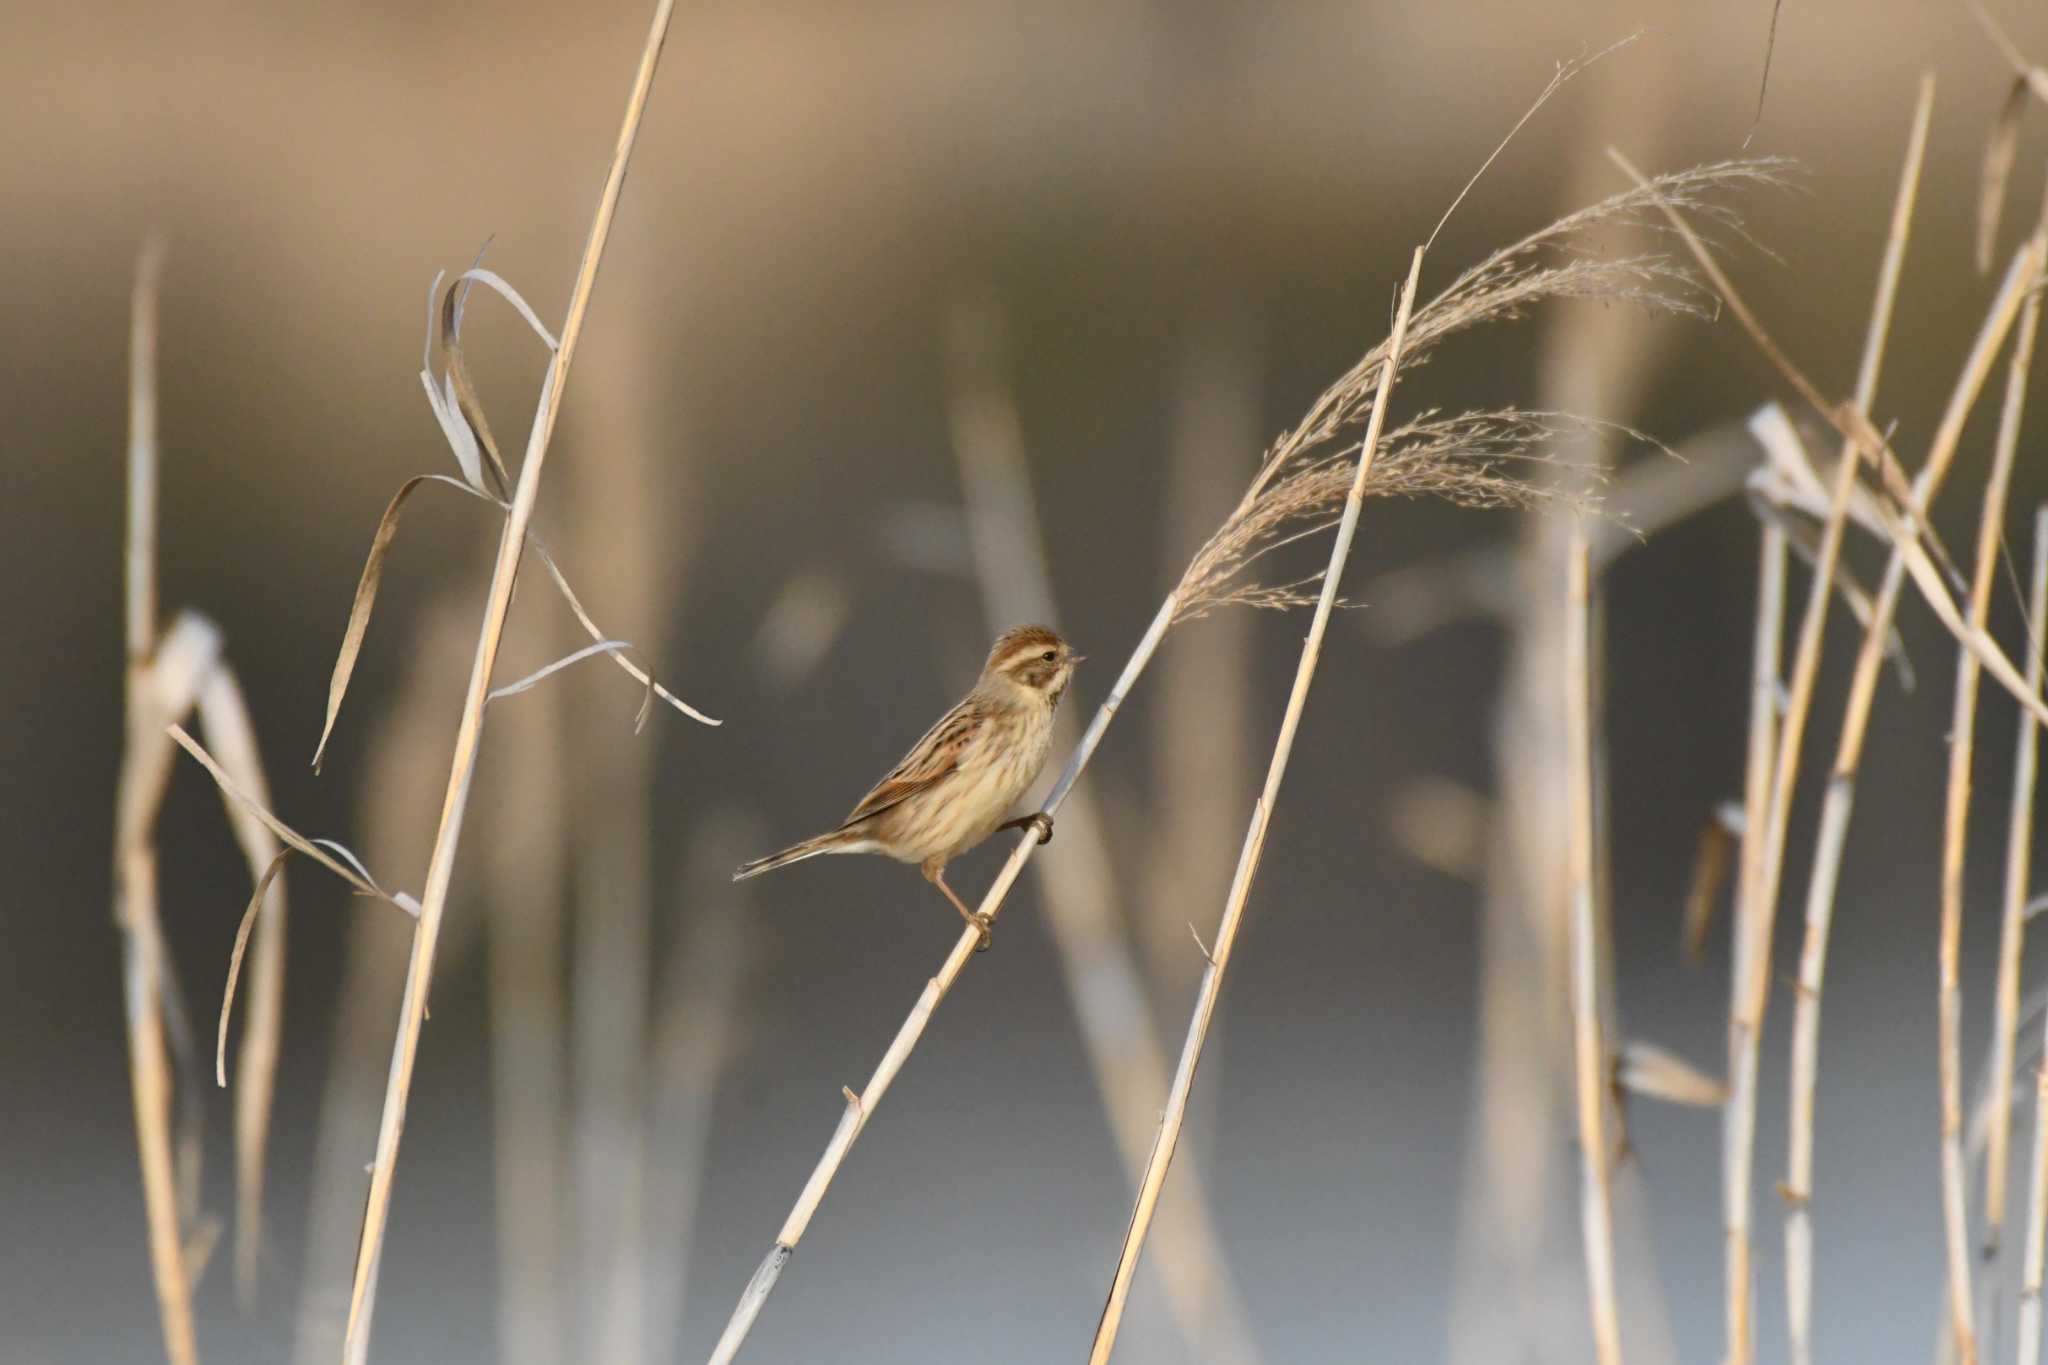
1037, 820
935, 873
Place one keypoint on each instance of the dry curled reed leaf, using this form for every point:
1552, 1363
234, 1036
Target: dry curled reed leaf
1703, 894
460, 415
2001, 149
366, 601
242, 932
1651, 1071
531, 680
349, 872
373, 574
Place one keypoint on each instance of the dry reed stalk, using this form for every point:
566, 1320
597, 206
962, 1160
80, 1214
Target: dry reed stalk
1766, 690
402, 754
1254, 842
1805, 1064
1901, 515
144, 770
2018, 867
1110, 1004
1955, 835
511, 548
1756, 919
172, 675
1467, 460
2037, 1196
1589, 1042
1907, 555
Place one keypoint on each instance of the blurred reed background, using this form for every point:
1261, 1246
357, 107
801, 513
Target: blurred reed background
919, 318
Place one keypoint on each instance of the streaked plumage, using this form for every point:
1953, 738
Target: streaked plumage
953, 788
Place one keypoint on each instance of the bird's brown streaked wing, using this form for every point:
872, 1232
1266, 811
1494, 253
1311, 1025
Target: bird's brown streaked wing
927, 763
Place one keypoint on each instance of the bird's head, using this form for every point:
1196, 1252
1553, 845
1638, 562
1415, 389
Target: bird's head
1033, 659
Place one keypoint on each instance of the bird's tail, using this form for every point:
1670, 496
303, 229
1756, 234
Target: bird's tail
834, 842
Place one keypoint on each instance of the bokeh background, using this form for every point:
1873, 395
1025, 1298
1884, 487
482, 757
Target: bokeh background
1179, 221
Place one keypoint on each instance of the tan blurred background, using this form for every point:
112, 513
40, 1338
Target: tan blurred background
1190, 217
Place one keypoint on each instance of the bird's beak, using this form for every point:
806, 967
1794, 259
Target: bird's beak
1075, 658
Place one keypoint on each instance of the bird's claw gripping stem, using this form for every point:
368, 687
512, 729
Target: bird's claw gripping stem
1037, 820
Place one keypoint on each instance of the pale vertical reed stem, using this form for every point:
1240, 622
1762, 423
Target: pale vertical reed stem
1248, 860
1955, 840
636, 550
2037, 1193
1766, 684
1759, 899
1805, 1064
524, 880
1589, 1047
232, 733
1512, 1238
860, 1107
137, 798
1080, 885
1740, 1125
2018, 856
1839, 801
511, 549
696, 1031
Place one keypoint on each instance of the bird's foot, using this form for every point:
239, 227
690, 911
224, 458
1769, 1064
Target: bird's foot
1037, 820
980, 920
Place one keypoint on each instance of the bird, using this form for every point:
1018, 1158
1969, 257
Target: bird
951, 790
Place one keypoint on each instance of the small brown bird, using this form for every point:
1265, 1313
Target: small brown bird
952, 788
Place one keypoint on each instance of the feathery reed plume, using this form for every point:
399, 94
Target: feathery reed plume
1805, 1064
2037, 1191
1589, 1040
1507, 284
1080, 886
511, 548
145, 768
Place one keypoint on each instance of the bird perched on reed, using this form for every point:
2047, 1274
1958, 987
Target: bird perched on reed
952, 788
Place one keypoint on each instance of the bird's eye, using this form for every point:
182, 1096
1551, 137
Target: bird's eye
1048, 656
